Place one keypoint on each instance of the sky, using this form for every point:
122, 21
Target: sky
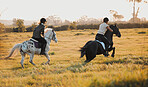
68, 9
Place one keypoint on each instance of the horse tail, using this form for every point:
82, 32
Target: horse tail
85, 46
80, 48
17, 46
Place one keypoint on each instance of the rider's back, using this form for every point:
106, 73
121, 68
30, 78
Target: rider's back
38, 31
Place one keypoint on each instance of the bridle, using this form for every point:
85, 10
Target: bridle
53, 34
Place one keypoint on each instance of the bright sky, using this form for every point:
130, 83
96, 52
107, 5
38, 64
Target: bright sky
68, 9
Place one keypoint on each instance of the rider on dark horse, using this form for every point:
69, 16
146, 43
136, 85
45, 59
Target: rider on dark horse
102, 30
37, 35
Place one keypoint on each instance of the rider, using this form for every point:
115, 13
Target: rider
102, 29
37, 35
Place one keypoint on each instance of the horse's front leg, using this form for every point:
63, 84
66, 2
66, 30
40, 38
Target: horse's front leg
113, 54
48, 57
31, 58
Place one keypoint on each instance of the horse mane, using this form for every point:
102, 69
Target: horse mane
47, 29
108, 33
111, 25
46, 32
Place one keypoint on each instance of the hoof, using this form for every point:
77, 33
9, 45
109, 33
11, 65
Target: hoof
42, 63
86, 61
22, 66
112, 55
47, 63
32, 63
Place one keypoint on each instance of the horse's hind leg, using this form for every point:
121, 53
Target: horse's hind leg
47, 56
113, 54
31, 58
22, 60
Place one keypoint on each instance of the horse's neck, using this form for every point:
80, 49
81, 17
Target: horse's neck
109, 35
48, 41
47, 36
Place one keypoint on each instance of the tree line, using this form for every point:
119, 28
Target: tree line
18, 26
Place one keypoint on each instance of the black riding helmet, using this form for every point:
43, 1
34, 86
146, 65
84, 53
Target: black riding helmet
42, 20
105, 19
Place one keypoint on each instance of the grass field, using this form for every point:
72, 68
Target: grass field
129, 68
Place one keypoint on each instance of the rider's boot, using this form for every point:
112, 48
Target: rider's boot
43, 49
106, 52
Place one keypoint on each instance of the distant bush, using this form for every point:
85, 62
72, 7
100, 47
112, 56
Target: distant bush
79, 34
2, 26
141, 32
132, 25
61, 28
52, 53
96, 26
71, 27
8, 29
15, 29
29, 29
91, 26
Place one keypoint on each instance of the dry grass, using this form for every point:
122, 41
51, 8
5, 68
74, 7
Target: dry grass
129, 68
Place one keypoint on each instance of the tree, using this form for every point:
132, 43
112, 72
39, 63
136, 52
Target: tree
33, 26
14, 22
2, 27
54, 20
73, 25
86, 20
83, 20
20, 25
116, 16
135, 14
66, 22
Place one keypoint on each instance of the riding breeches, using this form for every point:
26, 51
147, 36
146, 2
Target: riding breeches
43, 43
103, 39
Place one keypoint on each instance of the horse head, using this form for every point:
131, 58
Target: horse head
50, 35
54, 38
115, 30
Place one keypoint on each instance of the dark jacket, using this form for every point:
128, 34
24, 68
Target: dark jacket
38, 31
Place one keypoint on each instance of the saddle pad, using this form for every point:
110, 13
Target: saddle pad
36, 43
103, 45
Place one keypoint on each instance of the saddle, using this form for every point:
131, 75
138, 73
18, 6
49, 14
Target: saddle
100, 42
36, 43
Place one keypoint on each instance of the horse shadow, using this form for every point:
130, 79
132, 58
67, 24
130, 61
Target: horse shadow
7, 59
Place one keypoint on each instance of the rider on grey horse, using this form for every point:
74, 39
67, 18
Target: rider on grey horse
37, 35
100, 35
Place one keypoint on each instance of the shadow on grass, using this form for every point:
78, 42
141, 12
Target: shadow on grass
73, 68
26, 66
126, 60
16, 68
7, 59
122, 83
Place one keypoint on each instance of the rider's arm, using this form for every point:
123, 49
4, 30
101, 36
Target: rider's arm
109, 28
